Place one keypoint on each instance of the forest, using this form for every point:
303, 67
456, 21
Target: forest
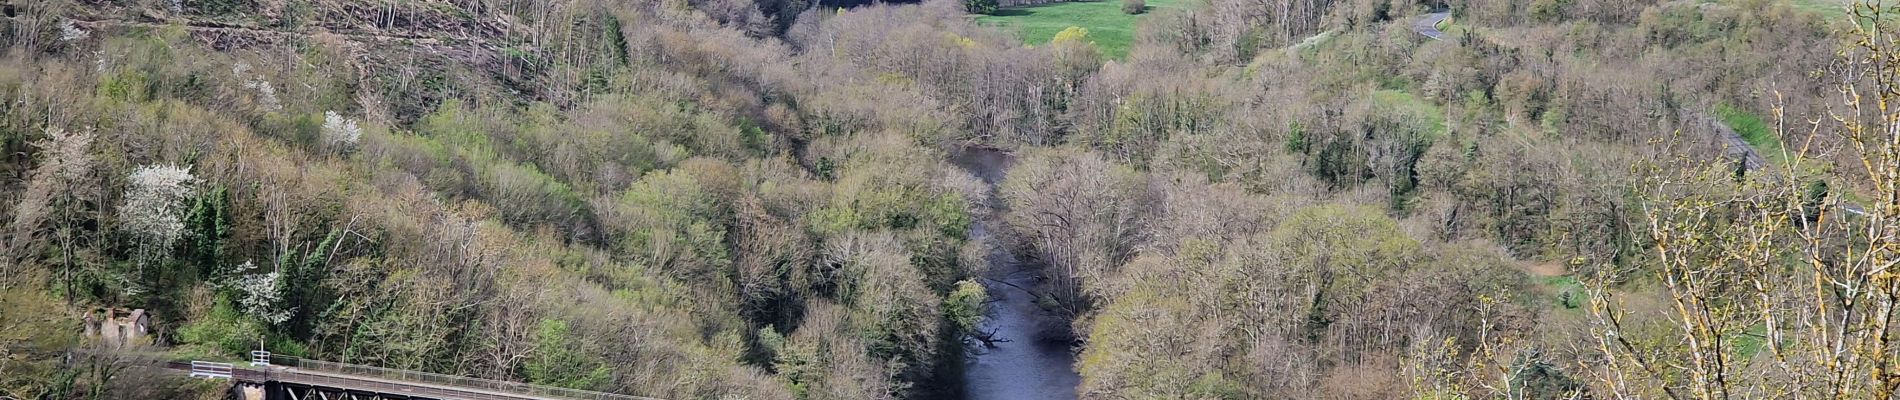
774, 199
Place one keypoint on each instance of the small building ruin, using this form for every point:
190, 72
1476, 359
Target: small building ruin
119, 327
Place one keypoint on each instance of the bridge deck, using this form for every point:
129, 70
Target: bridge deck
411, 389
396, 385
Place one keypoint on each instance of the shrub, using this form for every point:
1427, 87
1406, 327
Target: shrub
224, 330
1073, 34
562, 359
1134, 6
980, 6
964, 306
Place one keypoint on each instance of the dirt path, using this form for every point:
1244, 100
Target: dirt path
1546, 270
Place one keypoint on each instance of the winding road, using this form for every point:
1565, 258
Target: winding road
1428, 25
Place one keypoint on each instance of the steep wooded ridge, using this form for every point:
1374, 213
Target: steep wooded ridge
752, 199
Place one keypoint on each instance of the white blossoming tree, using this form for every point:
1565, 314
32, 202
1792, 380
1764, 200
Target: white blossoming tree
260, 295
266, 93
153, 211
340, 131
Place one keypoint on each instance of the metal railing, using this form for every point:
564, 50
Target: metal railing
438, 380
213, 370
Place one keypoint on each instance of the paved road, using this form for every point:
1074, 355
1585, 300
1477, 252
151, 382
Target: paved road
1734, 146
1428, 25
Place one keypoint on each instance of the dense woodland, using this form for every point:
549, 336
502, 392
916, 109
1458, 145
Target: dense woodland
752, 199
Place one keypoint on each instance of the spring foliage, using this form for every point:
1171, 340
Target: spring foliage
753, 198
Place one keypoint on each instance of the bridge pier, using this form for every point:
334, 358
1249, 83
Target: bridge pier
247, 391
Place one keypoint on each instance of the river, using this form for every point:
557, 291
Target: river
1024, 363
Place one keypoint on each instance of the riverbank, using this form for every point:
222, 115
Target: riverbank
1019, 362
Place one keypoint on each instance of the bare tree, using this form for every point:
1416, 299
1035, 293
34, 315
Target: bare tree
59, 187
1082, 214
1764, 259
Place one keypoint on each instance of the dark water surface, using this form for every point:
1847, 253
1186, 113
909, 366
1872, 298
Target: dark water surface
1026, 366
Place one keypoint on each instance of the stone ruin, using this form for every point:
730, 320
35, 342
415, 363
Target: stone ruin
119, 327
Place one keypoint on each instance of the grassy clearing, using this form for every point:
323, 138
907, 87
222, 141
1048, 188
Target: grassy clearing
1835, 10
1753, 130
1831, 11
1565, 292
1406, 102
1110, 29
1747, 344
1310, 46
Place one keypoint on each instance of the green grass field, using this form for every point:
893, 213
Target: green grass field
1110, 29
1832, 9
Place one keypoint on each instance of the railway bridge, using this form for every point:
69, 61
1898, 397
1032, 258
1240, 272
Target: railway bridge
276, 377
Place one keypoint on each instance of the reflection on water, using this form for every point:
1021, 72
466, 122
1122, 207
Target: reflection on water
1025, 366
